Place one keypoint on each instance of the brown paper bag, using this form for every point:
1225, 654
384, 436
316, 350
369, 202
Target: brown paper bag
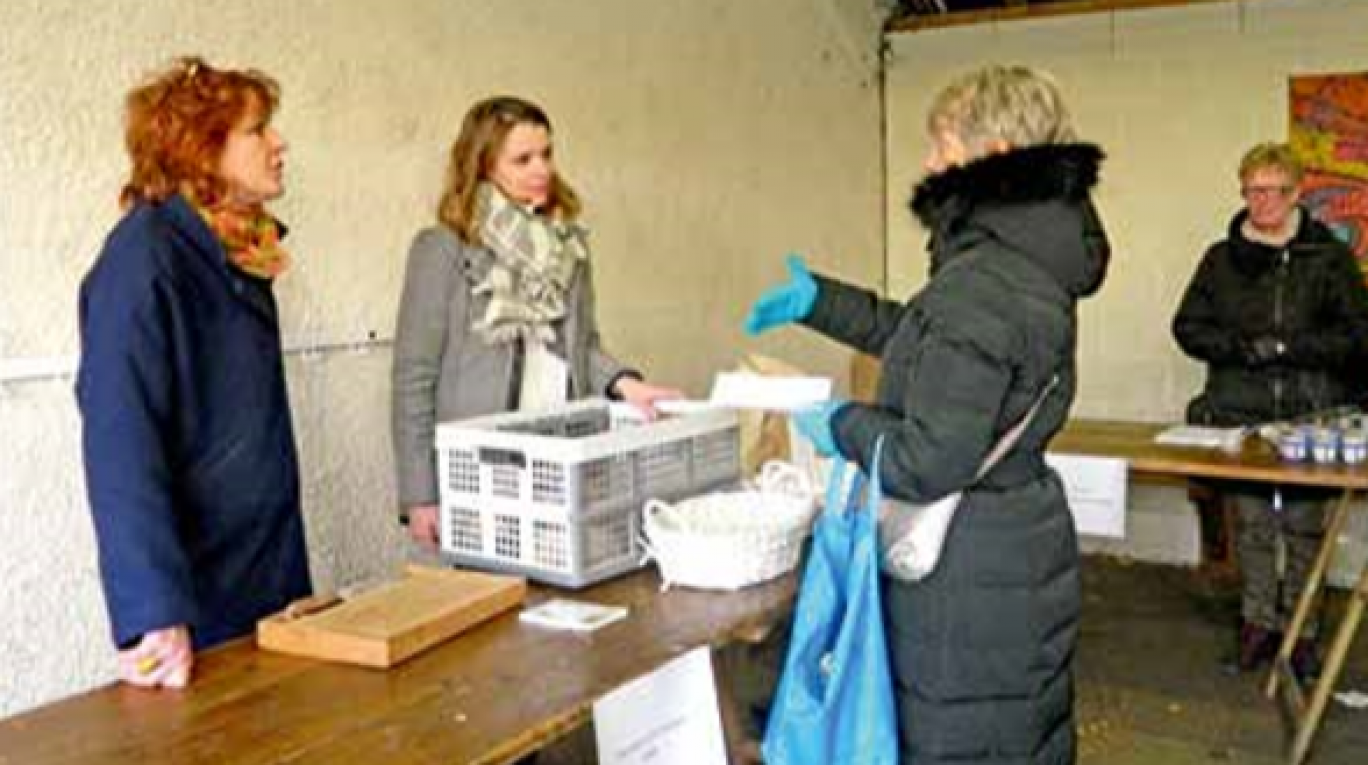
864, 378
764, 435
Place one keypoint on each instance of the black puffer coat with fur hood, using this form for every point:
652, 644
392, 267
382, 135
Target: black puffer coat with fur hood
982, 648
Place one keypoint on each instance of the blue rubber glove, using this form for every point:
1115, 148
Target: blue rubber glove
785, 303
814, 422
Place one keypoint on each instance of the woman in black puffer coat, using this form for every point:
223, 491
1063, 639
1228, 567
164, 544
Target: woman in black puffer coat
1278, 311
982, 648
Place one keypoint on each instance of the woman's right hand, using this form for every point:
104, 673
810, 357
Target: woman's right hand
162, 658
785, 303
424, 525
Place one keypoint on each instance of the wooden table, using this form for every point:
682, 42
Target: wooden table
492, 695
1257, 461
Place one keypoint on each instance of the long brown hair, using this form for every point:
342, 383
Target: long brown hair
177, 122
483, 132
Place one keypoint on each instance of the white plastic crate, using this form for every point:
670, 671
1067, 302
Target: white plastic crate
557, 495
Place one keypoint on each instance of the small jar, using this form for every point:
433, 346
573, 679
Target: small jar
1292, 445
1325, 444
1354, 446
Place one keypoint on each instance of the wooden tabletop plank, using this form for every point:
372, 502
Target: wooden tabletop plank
498, 691
1257, 461
502, 689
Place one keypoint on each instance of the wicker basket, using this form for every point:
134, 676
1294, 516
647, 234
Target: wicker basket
729, 540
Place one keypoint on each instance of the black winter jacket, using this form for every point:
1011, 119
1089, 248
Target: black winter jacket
982, 648
1309, 296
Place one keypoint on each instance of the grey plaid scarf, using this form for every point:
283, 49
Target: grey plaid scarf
534, 261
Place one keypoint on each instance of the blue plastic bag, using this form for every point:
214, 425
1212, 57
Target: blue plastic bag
834, 704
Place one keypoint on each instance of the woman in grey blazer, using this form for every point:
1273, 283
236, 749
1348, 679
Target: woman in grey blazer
497, 312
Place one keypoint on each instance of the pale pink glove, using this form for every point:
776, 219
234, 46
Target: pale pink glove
162, 658
644, 396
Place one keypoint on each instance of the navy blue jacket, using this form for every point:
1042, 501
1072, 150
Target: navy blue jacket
189, 450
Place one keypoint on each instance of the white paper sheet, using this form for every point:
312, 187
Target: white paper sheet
1096, 488
1203, 437
668, 717
1356, 700
740, 390
566, 614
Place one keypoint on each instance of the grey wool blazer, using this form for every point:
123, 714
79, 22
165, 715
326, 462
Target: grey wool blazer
443, 371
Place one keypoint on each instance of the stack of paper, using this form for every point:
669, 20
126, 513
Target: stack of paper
1193, 435
740, 390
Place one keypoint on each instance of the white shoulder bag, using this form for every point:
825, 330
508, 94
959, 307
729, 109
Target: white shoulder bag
911, 535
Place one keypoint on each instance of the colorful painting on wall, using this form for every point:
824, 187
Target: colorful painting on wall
1329, 132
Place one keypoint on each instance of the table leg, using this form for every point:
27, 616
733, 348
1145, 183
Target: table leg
1308, 594
1306, 714
1334, 663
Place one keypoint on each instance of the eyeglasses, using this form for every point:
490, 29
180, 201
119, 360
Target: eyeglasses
1264, 192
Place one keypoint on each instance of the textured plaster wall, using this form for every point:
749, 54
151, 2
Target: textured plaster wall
1175, 96
708, 137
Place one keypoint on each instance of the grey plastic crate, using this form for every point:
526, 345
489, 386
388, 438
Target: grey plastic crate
556, 496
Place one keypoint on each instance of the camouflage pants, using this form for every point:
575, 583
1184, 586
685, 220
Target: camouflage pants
1301, 525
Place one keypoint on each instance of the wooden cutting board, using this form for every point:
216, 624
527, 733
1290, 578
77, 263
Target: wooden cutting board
390, 623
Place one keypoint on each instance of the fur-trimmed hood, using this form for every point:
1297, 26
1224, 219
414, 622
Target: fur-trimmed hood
1036, 201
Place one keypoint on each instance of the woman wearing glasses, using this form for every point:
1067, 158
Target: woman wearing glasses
1278, 310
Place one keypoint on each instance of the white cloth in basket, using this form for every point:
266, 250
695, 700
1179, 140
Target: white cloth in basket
729, 540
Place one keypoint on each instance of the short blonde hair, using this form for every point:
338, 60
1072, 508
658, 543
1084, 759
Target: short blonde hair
1277, 156
1016, 104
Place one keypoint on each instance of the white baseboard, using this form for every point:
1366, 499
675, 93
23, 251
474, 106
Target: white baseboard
1161, 527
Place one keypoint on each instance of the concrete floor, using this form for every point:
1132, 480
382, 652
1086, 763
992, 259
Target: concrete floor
1154, 682
1154, 685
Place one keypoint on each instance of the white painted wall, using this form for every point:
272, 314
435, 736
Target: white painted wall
1175, 96
708, 137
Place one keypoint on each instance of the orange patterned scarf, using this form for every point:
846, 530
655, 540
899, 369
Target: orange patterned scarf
250, 237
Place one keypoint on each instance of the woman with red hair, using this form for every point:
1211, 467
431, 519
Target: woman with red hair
188, 446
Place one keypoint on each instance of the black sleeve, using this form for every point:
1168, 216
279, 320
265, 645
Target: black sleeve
1197, 326
1341, 334
853, 316
950, 409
